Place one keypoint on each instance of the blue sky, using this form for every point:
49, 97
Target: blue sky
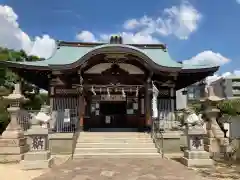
217, 30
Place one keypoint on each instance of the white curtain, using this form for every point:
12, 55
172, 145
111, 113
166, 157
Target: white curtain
154, 101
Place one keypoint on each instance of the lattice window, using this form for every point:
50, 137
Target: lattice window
164, 93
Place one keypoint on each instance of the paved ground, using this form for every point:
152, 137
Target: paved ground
14, 172
121, 169
221, 171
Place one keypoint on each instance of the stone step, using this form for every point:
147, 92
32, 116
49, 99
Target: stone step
116, 145
117, 155
114, 150
91, 134
117, 140
114, 137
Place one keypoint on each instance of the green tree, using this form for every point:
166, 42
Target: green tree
7, 80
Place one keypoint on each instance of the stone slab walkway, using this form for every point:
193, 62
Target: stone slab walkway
119, 169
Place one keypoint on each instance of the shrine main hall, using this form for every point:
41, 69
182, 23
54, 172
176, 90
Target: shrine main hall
111, 85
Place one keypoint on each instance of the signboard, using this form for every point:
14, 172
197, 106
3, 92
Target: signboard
66, 91
113, 98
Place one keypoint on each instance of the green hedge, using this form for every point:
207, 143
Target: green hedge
230, 107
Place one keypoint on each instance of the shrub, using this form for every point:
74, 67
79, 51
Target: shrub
4, 117
230, 107
196, 106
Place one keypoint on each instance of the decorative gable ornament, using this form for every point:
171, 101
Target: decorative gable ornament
115, 39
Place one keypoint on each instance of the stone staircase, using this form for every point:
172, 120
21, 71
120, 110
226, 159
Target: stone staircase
115, 144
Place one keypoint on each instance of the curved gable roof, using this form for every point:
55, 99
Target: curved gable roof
68, 54
65, 55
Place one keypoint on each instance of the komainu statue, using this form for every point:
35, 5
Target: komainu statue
192, 120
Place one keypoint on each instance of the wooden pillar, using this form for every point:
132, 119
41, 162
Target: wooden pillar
50, 92
172, 95
82, 111
81, 103
54, 81
148, 103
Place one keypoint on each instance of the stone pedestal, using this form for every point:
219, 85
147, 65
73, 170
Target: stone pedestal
12, 148
195, 155
38, 157
12, 142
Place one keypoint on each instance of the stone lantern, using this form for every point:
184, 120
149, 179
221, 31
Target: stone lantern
215, 140
13, 143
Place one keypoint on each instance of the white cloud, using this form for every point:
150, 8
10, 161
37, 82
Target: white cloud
131, 24
236, 72
180, 21
86, 36
215, 77
207, 57
129, 38
12, 36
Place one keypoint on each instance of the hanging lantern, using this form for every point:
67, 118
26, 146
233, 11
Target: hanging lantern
108, 92
93, 91
123, 93
137, 92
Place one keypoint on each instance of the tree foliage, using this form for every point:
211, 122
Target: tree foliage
196, 106
7, 80
230, 107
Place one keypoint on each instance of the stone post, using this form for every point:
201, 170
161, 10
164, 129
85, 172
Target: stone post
195, 155
12, 142
38, 157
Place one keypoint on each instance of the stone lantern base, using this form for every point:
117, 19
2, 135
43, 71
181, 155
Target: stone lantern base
195, 155
39, 157
12, 149
37, 160
196, 159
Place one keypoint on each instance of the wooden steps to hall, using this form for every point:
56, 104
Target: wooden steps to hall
115, 144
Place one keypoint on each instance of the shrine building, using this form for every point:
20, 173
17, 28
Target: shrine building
112, 85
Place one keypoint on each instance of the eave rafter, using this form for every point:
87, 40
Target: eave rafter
39, 78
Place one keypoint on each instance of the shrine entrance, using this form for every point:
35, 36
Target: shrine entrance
113, 114
115, 93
